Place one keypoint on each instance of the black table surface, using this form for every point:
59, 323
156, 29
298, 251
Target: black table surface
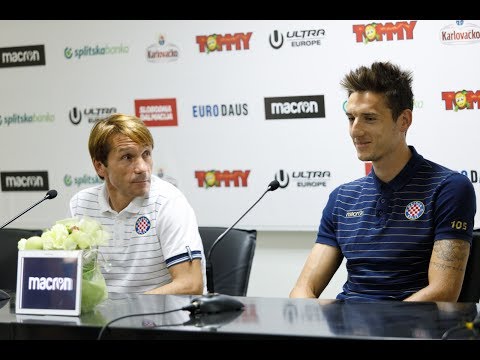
262, 318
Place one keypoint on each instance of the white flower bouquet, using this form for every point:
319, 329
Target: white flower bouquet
77, 234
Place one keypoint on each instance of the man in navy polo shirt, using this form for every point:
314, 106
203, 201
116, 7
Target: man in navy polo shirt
405, 229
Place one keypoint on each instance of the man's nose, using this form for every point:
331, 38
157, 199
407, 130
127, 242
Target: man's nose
356, 128
141, 166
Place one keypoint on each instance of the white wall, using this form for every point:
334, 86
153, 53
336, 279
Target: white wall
278, 260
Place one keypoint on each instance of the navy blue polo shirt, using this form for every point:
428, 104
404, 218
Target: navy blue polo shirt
386, 231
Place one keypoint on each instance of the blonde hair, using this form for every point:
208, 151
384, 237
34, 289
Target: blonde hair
104, 129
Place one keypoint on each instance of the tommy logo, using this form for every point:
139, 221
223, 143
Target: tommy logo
354, 213
142, 225
414, 210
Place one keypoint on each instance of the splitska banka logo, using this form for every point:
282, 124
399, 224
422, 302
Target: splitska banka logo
376, 31
460, 100
228, 42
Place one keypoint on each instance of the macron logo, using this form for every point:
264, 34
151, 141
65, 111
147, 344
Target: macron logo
355, 213
51, 284
295, 107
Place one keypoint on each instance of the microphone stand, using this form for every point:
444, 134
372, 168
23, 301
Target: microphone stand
208, 266
50, 195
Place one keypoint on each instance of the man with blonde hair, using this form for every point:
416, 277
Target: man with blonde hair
156, 247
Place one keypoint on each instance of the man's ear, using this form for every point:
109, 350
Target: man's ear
99, 168
405, 120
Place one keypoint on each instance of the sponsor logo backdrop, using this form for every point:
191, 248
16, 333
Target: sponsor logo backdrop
231, 105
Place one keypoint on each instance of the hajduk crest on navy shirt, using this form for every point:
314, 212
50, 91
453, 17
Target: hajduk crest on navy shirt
414, 210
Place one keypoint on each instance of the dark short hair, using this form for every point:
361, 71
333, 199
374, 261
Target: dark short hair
383, 78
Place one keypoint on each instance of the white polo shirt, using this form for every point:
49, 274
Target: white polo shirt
151, 234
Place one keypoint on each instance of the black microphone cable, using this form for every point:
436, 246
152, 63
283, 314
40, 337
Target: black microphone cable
191, 307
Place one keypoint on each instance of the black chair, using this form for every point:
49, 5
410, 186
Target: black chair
9, 254
231, 259
471, 283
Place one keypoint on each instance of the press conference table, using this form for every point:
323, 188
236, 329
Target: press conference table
262, 319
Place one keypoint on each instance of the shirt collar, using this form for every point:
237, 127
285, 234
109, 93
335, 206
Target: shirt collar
403, 177
134, 206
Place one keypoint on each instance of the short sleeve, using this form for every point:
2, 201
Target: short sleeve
455, 208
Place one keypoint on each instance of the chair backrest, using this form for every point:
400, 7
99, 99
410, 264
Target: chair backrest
9, 254
231, 259
471, 283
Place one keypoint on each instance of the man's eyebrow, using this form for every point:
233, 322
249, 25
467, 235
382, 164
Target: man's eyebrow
363, 113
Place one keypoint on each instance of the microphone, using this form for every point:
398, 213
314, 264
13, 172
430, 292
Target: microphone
274, 185
51, 194
211, 321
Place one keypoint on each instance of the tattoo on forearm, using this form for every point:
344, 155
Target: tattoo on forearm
453, 251
450, 250
444, 267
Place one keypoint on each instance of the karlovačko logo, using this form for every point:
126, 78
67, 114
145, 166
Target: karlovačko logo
403, 30
32, 55
295, 107
162, 51
24, 180
460, 33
